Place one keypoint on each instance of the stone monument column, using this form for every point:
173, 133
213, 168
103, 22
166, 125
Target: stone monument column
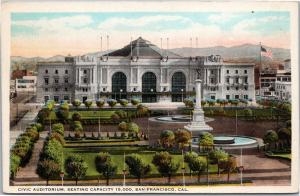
198, 125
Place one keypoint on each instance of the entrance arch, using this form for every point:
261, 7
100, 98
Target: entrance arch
119, 81
178, 87
149, 88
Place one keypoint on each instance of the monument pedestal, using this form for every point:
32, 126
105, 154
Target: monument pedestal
198, 125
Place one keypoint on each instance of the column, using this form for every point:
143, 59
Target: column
198, 94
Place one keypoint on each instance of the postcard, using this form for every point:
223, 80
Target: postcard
150, 97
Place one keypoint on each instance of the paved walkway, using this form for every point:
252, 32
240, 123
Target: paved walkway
28, 173
19, 128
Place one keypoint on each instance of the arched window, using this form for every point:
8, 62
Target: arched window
178, 87
149, 87
119, 81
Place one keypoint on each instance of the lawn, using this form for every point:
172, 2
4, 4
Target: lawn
87, 114
117, 154
280, 155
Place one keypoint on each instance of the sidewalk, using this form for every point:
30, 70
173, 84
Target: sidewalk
19, 128
28, 172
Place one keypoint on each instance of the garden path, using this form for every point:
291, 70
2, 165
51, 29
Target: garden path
28, 173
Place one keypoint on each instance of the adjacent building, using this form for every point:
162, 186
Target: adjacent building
144, 71
26, 85
283, 85
267, 81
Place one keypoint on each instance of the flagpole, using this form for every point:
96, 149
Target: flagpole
260, 66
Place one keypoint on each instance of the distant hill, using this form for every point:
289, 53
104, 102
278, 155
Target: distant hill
240, 53
246, 51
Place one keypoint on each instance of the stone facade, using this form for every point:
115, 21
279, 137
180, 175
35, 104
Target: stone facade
144, 71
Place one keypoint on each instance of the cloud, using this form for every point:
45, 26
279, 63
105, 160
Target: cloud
221, 18
142, 22
76, 35
46, 24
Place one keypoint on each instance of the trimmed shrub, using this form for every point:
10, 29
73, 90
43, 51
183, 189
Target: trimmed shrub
122, 126
76, 116
133, 127
76, 126
48, 169
76, 103
115, 117
75, 167
111, 102
123, 102
43, 115
58, 128
188, 103
88, 103
53, 151
135, 101
15, 162
122, 114
57, 137
100, 103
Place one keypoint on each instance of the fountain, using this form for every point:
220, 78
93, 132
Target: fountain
198, 125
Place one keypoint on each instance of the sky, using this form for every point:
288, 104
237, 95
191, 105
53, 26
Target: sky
49, 34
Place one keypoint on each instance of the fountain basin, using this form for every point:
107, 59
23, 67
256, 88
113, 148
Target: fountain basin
224, 140
177, 119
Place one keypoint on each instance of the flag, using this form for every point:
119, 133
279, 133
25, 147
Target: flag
265, 52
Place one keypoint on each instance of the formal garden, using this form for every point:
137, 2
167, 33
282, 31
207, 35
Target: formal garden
105, 140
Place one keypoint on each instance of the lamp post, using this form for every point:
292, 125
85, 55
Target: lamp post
124, 172
236, 122
183, 169
148, 127
121, 90
62, 174
241, 166
151, 93
181, 95
207, 175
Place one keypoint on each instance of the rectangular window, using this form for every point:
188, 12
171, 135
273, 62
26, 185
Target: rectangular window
228, 88
246, 80
236, 96
46, 71
236, 71
227, 96
245, 71
227, 80
245, 96
56, 81
46, 98
85, 80
56, 71
85, 71
56, 89
211, 71
66, 97
66, 89
46, 80
227, 71
66, 71
236, 80
46, 89
66, 80
237, 88
211, 80
56, 98
213, 97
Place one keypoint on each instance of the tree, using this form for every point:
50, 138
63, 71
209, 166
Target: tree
228, 165
105, 166
122, 126
206, 140
167, 138
133, 128
271, 137
100, 103
165, 164
188, 157
182, 137
284, 135
188, 103
137, 167
142, 110
63, 112
76, 103
198, 164
88, 104
48, 169
15, 162
218, 156
76, 116
76, 126
76, 167
43, 115
58, 128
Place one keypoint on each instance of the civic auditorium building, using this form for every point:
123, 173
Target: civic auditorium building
145, 71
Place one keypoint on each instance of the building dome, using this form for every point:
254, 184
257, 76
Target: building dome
143, 48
